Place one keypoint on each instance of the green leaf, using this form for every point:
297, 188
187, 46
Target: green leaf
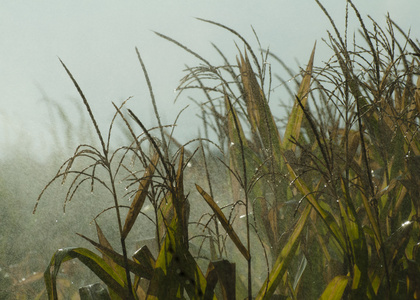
175, 270
166, 213
335, 288
89, 259
284, 259
117, 269
326, 216
134, 267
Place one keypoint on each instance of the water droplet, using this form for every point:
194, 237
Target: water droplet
406, 223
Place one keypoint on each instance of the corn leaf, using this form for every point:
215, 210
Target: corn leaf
259, 113
335, 288
176, 270
140, 196
165, 274
359, 252
181, 204
144, 257
117, 269
284, 259
326, 216
221, 217
224, 272
134, 267
236, 137
165, 215
89, 259
296, 116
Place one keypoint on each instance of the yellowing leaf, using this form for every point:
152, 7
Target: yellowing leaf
261, 119
104, 242
140, 197
296, 116
335, 288
225, 223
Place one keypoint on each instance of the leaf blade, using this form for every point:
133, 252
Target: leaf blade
225, 223
140, 196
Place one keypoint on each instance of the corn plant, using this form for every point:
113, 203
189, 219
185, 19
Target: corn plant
161, 182
256, 165
352, 161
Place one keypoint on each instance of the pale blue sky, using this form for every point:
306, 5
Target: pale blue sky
96, 39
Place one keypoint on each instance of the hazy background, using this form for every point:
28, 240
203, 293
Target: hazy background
96, 40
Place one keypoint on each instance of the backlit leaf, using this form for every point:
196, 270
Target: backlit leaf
335, 288
225, 223
140, 196
89, 259
296, 116
284, 259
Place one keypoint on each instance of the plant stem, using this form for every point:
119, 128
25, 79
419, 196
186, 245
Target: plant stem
122, 240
